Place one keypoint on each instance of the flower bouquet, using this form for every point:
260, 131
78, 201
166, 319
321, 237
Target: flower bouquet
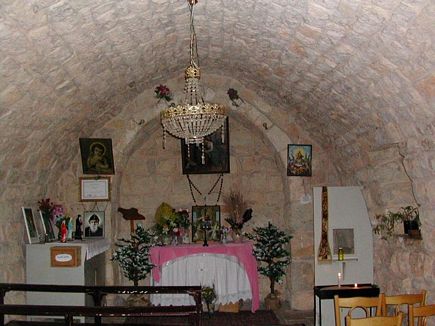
163, 92
171, 225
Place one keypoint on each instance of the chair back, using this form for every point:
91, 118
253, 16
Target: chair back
365, 304
376, 321
403, 300
421, 313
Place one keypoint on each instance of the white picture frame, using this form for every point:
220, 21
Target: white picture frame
29, 221
95, 189
47, 227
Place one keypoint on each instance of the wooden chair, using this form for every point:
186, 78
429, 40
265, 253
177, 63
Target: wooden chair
363, 303
421, 313
403, 300
376, 321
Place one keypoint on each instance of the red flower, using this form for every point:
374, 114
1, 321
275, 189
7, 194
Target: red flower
162, 91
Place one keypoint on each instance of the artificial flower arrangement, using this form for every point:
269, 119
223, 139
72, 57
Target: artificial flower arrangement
46, 206
171, 223
163, 92
56, 214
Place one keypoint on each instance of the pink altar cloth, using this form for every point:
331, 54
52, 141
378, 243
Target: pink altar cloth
243, 252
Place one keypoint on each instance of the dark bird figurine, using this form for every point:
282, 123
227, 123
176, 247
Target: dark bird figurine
247, 215
131, 215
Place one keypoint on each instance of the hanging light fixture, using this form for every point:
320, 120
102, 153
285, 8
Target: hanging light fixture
193, 118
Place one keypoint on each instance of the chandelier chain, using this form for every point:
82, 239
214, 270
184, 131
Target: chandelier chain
193, 186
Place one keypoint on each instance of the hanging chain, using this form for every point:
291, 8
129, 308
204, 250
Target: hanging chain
193, 186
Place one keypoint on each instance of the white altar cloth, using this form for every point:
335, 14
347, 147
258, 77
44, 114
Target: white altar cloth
223, 272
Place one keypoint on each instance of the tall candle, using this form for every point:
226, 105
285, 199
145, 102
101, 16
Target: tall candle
356, 285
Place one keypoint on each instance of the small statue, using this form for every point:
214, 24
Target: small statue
70, 228
63, 231
78, 235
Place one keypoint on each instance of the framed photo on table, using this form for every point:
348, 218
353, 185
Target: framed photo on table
212, 216
95, 189
47, 227
94, 224
29, 220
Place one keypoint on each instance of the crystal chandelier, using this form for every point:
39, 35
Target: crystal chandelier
193, 118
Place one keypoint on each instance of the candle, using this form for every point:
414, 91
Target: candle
339, 279
356, 285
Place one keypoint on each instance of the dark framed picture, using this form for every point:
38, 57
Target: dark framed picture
97, 156
206, 219
216, 152
29, 220
47, 226
94, 224
343, 238
299, 158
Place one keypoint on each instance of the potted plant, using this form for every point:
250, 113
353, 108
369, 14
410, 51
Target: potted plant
409, 216
270, 251
132, 255
209, 298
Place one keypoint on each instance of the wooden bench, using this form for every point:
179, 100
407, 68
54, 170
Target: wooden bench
193, 312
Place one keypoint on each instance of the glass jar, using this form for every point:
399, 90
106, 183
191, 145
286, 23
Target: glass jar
340, 254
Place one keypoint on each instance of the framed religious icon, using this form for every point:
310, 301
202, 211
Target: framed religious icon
47, 227
97, 156
29, 221
206, 219
95, 189
94, 224
299, 159
216, 154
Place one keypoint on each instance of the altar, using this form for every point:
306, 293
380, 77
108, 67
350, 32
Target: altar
230, 268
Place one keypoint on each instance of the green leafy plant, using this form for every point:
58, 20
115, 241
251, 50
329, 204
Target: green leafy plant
269, 250
385, 223
132, 254
209, 296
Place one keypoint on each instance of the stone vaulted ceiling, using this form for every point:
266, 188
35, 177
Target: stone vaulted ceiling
350, 71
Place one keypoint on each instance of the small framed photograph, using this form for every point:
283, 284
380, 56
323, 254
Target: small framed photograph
95, 189
97, 155
206, 219
299, 158
94, 224
47, 226
343, 238
216, 154
29, 220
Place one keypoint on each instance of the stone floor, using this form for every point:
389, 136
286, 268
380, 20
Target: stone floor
292, 317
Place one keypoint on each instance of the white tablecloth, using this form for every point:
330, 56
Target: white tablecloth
224, 272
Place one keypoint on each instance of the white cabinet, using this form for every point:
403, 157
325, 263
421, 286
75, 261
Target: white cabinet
91, 271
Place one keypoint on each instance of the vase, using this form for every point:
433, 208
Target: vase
272, 302
237, 236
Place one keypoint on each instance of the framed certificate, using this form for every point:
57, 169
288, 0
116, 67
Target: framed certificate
95, 189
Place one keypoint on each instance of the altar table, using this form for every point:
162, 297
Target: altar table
238, 253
